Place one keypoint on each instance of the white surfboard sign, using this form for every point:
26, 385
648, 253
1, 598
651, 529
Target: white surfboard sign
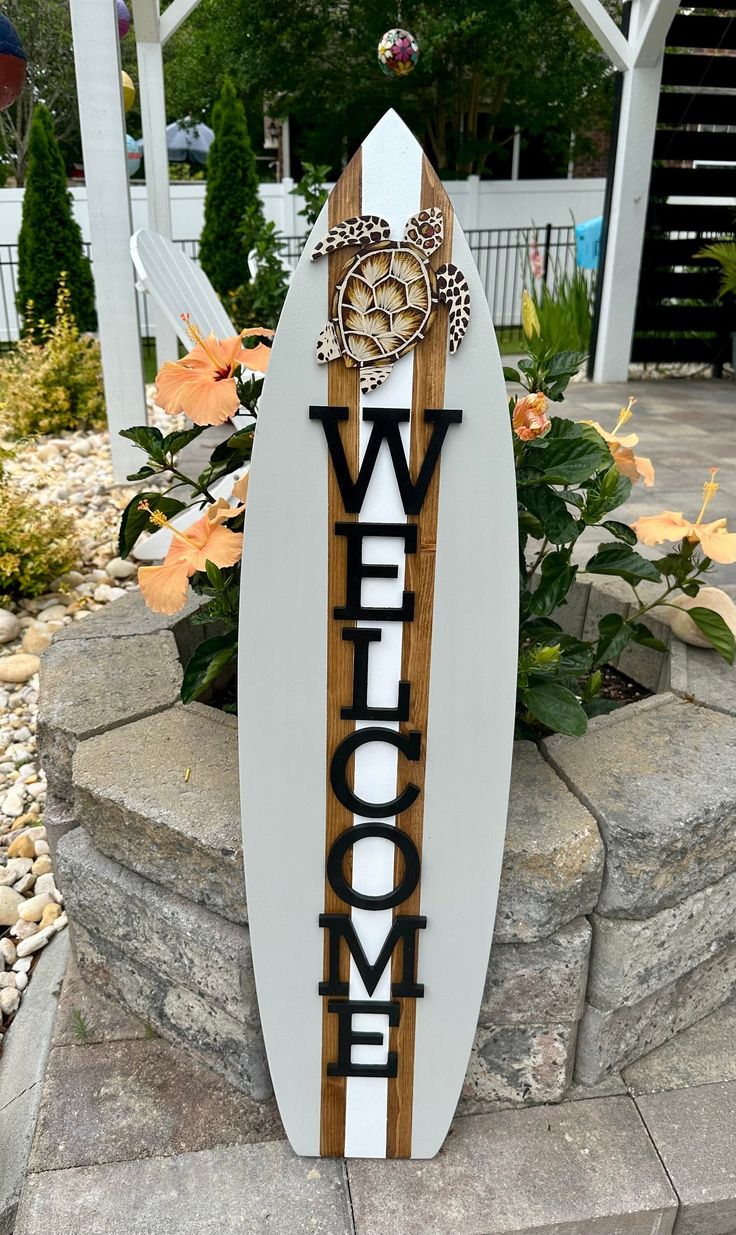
377, 665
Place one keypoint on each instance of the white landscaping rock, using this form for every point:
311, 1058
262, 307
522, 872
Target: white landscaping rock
32, 909
9, 903
9, 626
19, 667
36, 942
9, 1000
119, 568
36, 639
104, 593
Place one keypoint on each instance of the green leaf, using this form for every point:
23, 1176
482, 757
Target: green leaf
146, 438
207, 663
214, 575
622, 561
556, 707
569, 454
134, 520
556, 579
613, 635
237, 447
561, 529
143, 473
174, 442
715, 630
511, 375
642, 634
621, 531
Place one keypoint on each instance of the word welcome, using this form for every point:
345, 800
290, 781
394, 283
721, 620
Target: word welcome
340, 928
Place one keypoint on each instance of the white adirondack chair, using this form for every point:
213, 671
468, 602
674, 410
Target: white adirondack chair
178, 285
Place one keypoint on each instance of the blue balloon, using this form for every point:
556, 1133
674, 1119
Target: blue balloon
10, 44
12, 63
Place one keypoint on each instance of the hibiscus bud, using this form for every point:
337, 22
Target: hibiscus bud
529, 318
530, 418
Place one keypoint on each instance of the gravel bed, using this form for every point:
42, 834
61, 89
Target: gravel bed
74, 470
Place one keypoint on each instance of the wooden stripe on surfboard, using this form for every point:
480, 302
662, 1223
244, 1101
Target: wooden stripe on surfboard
343, 390
428, 391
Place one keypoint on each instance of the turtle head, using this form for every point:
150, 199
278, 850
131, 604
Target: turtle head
426, 230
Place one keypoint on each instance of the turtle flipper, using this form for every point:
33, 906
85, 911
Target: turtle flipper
362, 229
426, 230
453, 290
328, 344
373, 376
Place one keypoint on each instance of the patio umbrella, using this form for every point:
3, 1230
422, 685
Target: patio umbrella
187, 141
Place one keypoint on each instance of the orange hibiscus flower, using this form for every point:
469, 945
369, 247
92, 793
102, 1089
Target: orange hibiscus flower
636, 467
715, 539
202, 384
164, 587
530, 418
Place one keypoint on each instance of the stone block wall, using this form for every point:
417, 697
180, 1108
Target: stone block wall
144, 817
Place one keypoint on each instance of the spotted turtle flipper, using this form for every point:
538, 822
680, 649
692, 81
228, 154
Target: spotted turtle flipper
362, 229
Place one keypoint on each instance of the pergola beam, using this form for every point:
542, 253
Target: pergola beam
153, 120
630, 195
653, 32
605, 32
102, 123
174, 16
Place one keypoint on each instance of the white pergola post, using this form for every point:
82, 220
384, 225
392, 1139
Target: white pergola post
102, 121
650, 20
153, 120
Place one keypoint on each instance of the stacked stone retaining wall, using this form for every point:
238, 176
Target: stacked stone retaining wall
614, 838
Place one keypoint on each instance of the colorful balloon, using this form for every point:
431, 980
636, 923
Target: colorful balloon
133, 154
124, 18
128, 91
398, 52
13, 62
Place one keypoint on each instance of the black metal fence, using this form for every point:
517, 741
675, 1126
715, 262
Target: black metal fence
507, 258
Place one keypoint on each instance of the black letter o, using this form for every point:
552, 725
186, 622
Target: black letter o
347, 839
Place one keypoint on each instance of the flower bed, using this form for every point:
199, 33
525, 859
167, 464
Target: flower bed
614, 839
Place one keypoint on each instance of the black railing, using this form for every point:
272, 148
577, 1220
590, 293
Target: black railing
507, 258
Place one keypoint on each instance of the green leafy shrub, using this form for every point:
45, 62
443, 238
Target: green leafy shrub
723, 252
50, 242
311, 188
569, 477
259, 302
37, 542
53, 380
565, 312
233, 218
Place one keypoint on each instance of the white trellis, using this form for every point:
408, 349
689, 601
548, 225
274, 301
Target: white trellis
97, 59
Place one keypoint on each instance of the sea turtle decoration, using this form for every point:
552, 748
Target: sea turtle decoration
386, 295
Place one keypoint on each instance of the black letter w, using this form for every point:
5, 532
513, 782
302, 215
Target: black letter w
386, 421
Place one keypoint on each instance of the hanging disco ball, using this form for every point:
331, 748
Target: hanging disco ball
12, 63
398, 52
124, 18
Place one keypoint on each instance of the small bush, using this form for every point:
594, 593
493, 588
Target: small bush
565, 313
260, 301
53, 384
37, 543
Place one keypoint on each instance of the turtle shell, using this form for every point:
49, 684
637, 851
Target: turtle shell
384, 301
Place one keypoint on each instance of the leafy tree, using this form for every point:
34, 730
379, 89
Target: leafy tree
44, 29
50, 242
233, 219
483, 69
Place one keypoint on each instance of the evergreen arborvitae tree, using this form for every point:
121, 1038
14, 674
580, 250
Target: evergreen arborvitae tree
50, 242
233, 217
